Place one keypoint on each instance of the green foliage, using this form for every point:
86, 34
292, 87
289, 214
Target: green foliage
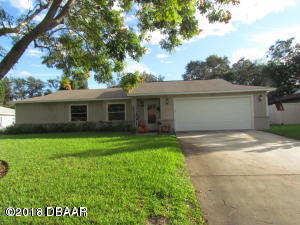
120, 178
245, 72
65, 83
281, 50
93, 36
284, 66
34, 87
281, 71
213, 67
5, 91
54, 83
148, 77
19, 88
130, 81
22, 88
282, 77
67, 127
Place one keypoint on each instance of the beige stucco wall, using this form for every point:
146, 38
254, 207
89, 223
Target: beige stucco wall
28, 113
36, 113
260, 111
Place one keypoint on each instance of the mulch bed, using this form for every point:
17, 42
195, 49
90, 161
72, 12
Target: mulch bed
3, 168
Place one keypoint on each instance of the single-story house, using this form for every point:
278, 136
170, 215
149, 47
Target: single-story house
7, 117
183, 105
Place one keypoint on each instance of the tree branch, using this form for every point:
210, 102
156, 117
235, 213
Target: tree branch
19, 48
28, 19
65, 10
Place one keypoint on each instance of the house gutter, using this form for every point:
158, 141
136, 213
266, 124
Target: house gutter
204, 92
70, 100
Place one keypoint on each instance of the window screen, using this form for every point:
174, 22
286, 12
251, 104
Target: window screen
116, 111
78, 113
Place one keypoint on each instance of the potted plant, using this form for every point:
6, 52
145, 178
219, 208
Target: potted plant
166, 128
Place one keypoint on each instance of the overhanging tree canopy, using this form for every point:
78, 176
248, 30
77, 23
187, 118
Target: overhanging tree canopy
91, 35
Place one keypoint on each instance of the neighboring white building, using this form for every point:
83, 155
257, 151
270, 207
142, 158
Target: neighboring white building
7, 117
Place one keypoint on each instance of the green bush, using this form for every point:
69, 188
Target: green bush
67, 127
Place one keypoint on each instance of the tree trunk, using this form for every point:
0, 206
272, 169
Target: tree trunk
47, 23
16, 52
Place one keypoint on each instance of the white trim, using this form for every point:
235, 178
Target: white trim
7, 114
204, 92
71, 100
116, 103
252, 111
251, 97
87, 113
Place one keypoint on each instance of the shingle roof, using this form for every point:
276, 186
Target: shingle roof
79, 95
193, 86
6, 111
152, 88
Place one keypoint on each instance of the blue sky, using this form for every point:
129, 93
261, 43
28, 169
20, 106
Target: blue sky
256, 24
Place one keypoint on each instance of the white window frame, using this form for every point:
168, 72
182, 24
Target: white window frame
115, 103
87, 113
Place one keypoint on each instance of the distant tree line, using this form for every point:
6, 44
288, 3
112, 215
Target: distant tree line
281, 70
12, 89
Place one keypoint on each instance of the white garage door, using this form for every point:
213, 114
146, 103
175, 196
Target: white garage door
213, 113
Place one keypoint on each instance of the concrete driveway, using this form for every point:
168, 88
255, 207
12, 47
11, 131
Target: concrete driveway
245, 178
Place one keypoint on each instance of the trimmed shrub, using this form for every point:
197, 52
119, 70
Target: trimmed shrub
68, 127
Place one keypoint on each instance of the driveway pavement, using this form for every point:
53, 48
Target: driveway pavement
245, 178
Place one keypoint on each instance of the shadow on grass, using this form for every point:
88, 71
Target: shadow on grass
122, 147
79, 134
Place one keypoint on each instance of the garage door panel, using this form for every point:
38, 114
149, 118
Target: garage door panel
225, 113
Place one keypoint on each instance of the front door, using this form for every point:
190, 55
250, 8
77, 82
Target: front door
152, 114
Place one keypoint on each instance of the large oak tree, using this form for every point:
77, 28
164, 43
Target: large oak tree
92, 35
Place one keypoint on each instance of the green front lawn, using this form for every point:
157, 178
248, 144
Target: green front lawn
292, 131
120, 178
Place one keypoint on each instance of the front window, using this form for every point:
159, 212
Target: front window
116, 111
78, 112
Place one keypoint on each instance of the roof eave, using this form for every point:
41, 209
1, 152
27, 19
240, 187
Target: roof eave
205, 92
69, 100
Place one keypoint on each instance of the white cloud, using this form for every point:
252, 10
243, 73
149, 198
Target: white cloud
21, 4
161, 56
248, 53
153, 37
148, 51
249, 11
166, 61
215, 29
33, 52
133, 66
268, 38
25, 73
129, 18
177, 49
